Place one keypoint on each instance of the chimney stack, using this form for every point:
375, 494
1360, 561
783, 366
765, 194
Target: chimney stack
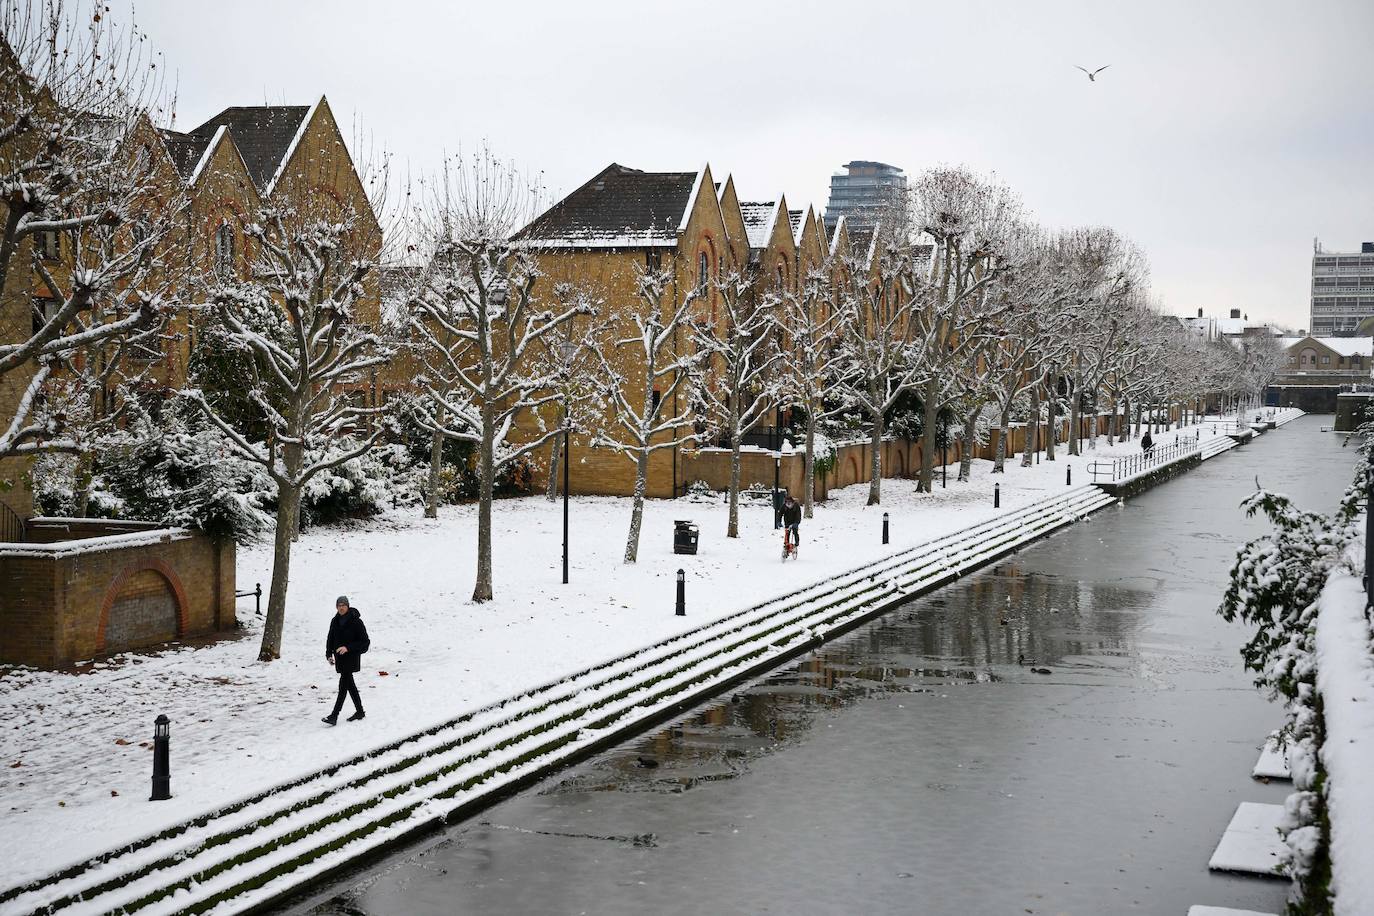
1199, 313
1235, 313
1367, 248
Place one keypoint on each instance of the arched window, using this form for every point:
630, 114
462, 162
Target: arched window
224, 251
703, 271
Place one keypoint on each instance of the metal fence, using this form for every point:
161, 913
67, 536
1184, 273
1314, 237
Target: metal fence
11, 526
1120, 469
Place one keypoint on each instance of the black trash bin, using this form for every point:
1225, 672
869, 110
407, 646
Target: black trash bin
685, 536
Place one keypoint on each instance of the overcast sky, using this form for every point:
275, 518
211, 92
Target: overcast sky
1223, 137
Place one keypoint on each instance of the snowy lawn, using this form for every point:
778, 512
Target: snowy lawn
75, 760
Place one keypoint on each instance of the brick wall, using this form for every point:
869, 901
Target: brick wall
92, 599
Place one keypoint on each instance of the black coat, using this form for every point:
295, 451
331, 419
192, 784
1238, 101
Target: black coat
347, 630
791, 515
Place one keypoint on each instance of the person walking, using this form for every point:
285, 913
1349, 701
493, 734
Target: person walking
344, 647
1147, 444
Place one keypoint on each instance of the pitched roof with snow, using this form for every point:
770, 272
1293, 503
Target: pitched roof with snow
185, 150
758, 220
1345, 346
620, 207
796, 218
264, 135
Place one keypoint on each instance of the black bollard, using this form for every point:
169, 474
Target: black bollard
997, 496
1068, 476
681, 593
884, 527
162, 775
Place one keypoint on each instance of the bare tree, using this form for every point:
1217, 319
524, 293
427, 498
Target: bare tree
972, 223
80, 237
296, 321
874, 365
481, 326
741, 355
811, 324
643, 413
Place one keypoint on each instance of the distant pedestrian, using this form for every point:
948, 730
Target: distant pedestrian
1147, 444
344, 647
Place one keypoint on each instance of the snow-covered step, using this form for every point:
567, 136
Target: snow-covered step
1223, 911
1273, 762
1251, 843
1216, 445
407, 785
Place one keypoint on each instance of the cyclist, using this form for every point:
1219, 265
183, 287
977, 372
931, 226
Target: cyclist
791, 519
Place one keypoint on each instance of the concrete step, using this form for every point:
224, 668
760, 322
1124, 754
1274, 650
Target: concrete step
1251, 842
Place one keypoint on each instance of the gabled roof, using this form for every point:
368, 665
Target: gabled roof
1345, 346
861, 239
185, 150
758, 220
620, 207
264, 135
841, 229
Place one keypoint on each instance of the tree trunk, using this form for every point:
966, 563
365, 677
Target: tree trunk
1125, 423
999, 463
1032, 425
482, 591
637, 511
288, 505
1075, 417
555, 452
968, 440
82, 480
1051, 427
732, 527
875, 463
930, 411
436, 468
809, 464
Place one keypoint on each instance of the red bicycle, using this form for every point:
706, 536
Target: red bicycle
789, 546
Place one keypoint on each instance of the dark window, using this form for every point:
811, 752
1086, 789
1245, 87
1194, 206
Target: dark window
43, 311
224, 251
653, 259
656, 399
703, 270
50, 245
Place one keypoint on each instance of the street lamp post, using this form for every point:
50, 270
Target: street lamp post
569, 350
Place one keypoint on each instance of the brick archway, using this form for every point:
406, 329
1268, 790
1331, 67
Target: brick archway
117, 586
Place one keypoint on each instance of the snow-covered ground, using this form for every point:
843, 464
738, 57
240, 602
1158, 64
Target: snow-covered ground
75, 762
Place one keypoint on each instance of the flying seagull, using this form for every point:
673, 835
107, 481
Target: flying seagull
1092, 74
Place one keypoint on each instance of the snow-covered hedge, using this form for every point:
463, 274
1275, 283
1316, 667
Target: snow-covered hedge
1275, 585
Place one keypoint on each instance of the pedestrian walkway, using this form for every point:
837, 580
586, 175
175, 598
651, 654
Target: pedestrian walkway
257, 850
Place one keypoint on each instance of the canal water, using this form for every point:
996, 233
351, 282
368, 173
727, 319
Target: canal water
919, 764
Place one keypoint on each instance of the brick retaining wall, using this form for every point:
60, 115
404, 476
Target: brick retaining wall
65, 600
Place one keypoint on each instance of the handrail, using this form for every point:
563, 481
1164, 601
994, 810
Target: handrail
1118, 469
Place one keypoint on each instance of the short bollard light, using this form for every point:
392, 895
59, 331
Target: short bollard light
1068, 476
681, 593
997, 496
884, 527
162, 775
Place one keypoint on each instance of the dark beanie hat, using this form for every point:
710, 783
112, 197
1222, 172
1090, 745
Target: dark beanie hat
342, 599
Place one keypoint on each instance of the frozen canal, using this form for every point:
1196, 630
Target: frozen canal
914, 766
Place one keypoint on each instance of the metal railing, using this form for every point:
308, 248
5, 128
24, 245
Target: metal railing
1119, 469
11, 526
256, 593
